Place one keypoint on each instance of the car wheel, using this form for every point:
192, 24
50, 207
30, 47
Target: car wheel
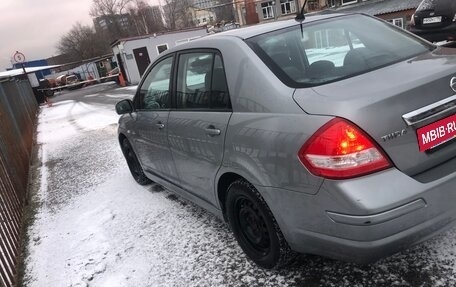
49, 93
133, 163
255, 228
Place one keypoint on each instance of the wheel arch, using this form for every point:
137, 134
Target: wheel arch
229, 179
121, 137
224, 180
223, 183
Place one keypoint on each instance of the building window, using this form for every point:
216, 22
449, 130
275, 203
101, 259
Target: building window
313, 5
162, 48
268, 11
346, 2
288, 6
331, 3
397, 21
103, 23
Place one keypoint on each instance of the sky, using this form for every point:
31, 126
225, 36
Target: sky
34, 27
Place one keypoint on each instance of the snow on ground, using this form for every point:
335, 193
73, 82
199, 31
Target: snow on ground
96, 227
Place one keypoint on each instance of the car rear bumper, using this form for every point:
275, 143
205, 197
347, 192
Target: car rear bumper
365, 219
437, 34
364, 252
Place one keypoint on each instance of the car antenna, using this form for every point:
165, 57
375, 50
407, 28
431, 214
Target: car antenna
300, 17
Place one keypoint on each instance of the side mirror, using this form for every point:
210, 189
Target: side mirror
124, 107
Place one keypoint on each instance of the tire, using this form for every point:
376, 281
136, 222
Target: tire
133, 164
49, 93
255, 228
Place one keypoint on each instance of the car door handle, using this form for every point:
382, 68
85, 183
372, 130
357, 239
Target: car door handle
212, 131
160, 126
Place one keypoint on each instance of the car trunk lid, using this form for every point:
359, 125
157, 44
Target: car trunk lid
381, 101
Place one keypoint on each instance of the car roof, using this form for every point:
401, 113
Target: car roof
250, 31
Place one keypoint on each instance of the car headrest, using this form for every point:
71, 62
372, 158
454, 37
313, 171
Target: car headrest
321, 69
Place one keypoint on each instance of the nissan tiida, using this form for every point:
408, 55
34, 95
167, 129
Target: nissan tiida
331, 135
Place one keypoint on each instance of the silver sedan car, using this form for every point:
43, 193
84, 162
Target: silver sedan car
332, 136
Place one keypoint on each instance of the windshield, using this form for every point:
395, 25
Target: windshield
334, 49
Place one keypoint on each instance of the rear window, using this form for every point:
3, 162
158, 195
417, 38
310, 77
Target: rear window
433, 5
334, 49
427, 5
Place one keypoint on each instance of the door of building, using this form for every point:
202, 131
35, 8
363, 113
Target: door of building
142, 59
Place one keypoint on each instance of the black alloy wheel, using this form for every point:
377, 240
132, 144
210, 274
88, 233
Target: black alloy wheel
255, 228
133, 163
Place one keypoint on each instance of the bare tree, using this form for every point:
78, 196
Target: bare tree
81, 43
108, 7
146, 19
177, 14
111, 18
224, 11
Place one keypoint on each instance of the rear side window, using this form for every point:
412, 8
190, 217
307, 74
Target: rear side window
193, 81
201, 82
334, 49
220, 98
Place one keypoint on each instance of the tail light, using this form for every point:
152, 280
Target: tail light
340, 150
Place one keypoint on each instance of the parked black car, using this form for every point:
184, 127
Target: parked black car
435, 20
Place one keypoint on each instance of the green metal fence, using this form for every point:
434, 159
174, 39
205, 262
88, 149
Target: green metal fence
18, 110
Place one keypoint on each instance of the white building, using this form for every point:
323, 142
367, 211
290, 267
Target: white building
202, 17
133, 55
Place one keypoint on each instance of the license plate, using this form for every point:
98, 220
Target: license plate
437, 133
431, 20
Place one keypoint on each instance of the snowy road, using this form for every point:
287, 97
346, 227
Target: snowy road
96, 227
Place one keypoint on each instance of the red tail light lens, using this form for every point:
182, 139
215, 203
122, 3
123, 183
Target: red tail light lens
341, 150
